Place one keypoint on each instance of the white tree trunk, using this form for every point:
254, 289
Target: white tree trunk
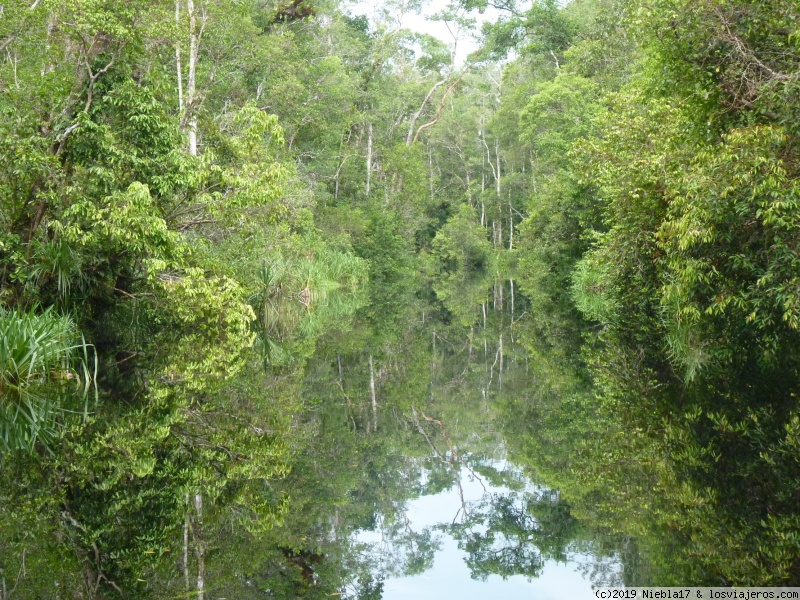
178, 66
186, 546
512, 302
200, 549
497, 174
510, 225
500, 232
410, 136
369, 155
500, 372
191, 83
373, 395
430, 168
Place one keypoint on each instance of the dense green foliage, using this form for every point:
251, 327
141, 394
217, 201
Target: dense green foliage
197, 196
665, 213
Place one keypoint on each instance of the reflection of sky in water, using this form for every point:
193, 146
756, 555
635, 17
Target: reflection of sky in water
450, 576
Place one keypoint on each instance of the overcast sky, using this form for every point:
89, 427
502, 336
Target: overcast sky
421, 24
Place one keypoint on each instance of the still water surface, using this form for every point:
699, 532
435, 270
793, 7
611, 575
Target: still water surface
468, 521
499, 465
449, 575
444, 445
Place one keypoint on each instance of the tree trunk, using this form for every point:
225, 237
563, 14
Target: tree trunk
191, 82
410, 136
512, 303
199, 547
500, 372
438, 109
430, 168
186, 546
510, 224
178, 66
369, 155
500, 293
343, 155
497, 174
373, 395
500, 232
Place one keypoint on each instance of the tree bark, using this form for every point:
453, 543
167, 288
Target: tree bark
438, 109
373, 395
178, 66
500, 232
369, 155
199, 547
191, 82
497, 155
430, 168
410, 137
512, 302
510, 225
186, 546
500, 372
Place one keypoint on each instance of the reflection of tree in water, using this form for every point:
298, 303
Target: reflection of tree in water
604, 556
402, 550
514, 533
439, 478
369, 588
453, 402
414, 549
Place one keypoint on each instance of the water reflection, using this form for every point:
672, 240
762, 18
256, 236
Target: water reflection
440, 445
472, 381
472, 521
485, 537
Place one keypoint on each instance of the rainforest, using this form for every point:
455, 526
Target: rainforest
465, 298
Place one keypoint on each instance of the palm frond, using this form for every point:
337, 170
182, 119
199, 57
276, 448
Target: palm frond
43, 364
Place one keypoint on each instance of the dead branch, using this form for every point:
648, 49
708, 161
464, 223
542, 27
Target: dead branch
425, 435
453, 452
439, 109
755, 73
6, 42
410, 137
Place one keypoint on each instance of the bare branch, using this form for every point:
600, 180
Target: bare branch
555, 58
439, 109
6, 42
410, 135
746, 53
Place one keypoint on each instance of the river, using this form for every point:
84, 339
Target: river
450, 498
441, 443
